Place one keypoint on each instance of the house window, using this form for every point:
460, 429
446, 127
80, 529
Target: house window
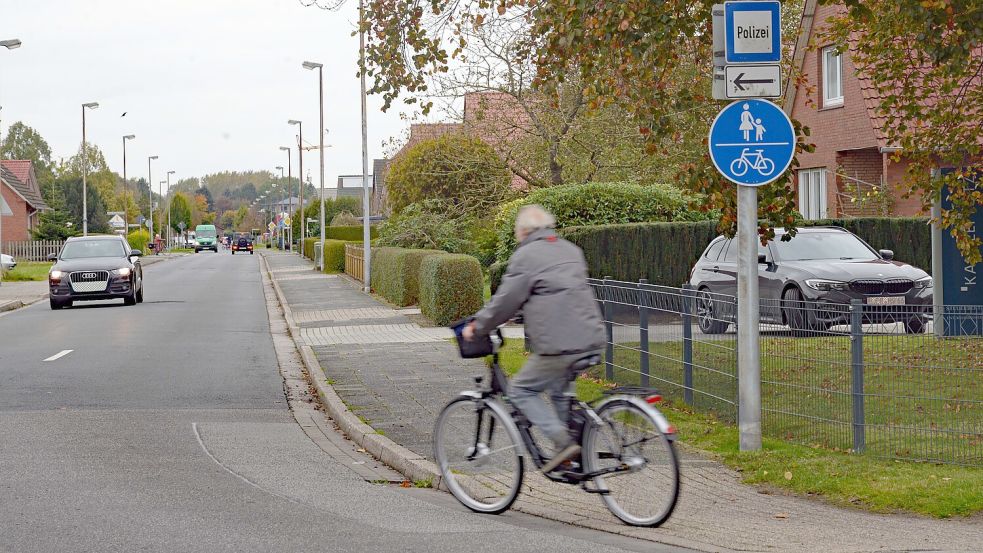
812, 193
832, 77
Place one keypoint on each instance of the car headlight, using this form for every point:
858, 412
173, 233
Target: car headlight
122, 271
826, 285
925, 282
56, 274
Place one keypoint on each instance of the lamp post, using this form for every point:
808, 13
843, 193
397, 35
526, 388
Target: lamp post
272, 194
365, 151
160, 192
150, 190
126, 215
85, 171
169, 173
300, 171
11, 44
320, 104
279, 210
290, 196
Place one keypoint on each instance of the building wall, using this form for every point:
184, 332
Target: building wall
895, 173
15, 227
834, 129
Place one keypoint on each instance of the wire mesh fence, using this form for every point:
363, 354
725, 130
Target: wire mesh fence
892, 381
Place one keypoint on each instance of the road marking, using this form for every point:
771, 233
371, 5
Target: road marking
59, 355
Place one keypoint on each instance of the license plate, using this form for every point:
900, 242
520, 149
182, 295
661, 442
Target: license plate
886, 300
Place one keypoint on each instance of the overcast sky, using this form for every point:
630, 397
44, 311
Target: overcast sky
207, 85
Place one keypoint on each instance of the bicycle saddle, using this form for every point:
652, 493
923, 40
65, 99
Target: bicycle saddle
582, 364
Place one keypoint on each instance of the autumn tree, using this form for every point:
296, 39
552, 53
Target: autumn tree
180, 211
24, 142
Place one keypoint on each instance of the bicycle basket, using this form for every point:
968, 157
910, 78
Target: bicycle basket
480, 346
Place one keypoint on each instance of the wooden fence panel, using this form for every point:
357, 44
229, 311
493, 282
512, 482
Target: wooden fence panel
32, 250
354, 261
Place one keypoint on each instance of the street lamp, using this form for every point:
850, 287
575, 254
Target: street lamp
169, 173
290, 197
11, 44
300, 170
126, 216
150, 190
367, 256
320, 105
85, 171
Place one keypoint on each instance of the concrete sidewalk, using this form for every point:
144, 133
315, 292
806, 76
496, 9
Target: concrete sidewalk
397, 376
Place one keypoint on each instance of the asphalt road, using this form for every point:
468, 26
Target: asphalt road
165, 428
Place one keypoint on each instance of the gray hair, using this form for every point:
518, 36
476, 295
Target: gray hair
533, 217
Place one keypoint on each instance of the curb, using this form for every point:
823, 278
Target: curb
13, 305
410, 464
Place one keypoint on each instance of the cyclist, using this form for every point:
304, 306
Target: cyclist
547, 279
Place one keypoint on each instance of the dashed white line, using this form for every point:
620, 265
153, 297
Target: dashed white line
59, 355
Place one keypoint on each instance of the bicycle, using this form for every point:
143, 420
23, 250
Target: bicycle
756, 161
477, 429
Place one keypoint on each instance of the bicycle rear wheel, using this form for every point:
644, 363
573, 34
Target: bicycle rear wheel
645, 494
477, 448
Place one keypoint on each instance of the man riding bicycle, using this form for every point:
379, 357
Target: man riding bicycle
547, 280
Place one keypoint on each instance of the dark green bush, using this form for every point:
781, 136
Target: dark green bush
596, 204
495, 273
664, 253
350, 234
438, 225
451, 287
909, 237
308, 247
396, 273
334, 256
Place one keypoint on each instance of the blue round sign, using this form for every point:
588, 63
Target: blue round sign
752, 142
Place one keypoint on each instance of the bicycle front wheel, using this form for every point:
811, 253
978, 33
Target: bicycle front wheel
644, 488
477, 449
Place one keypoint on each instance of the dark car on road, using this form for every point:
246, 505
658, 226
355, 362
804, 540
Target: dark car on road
95, 268
242, 244
809, 282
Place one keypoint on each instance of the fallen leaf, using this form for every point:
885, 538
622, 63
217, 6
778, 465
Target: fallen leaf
405, 484
781, 515
788, 475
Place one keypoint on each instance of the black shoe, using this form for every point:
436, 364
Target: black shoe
566, 454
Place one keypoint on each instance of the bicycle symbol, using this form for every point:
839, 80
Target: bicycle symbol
753, 160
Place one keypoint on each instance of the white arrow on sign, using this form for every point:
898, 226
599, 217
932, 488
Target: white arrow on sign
753, 81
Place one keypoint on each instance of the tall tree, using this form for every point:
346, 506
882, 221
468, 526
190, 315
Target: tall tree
24, 142
203, 191
70, 188
180, 211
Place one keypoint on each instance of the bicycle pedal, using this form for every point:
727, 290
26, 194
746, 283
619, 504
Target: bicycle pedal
595, 490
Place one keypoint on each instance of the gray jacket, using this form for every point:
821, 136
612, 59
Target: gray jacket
547, 279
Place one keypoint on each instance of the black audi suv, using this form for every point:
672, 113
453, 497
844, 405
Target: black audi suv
808, 283
95, 268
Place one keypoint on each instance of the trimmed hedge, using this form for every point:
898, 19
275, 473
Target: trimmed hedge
396, 273
350, 234
451, 287
664, 253
495, 274
308, 247
334, 256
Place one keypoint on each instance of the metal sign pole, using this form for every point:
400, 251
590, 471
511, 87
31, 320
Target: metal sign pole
748, 354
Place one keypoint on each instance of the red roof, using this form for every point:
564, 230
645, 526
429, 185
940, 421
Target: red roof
18, 176
21, 168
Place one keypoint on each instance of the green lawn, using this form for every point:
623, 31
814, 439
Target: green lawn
865, 481
28, 270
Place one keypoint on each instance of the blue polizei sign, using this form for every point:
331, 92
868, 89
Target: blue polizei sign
752, 142
753, 32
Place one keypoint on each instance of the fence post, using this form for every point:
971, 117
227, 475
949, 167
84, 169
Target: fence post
609, 333
643, 331
857, 387
688, 344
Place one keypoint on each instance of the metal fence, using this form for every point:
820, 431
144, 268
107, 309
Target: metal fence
32, 250
861, 378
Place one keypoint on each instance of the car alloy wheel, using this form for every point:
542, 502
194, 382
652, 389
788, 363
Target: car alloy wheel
707, 314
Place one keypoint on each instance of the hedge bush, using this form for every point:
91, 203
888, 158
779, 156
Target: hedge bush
596, 204
350, 234
664, 253
451, 287
138, 240
308, 247
396, 273
334, 256
495, 273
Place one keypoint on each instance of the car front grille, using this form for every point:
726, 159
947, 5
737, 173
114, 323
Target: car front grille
89, 281
872, 287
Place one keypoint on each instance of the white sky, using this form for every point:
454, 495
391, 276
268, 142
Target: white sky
208, 85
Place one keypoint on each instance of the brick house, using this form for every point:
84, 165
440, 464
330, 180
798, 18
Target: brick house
853, 159
20, 190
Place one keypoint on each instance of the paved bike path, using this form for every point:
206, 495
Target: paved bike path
397, 376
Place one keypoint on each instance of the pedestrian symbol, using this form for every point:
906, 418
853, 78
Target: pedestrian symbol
752, 142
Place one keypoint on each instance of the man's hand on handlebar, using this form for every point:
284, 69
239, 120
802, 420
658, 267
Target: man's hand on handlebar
468, 332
